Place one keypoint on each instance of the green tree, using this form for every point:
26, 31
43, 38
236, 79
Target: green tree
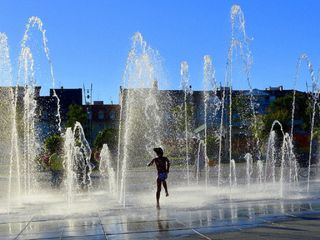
281, 110
242, 113
108, 136
244, 127
176, 137
76, 114
53, 144
179, 115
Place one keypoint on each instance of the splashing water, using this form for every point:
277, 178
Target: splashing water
106, 169
270, 169
270, 165
239, 40
249, 167
141, 125
288, 171
141, 129
260, 171
9, 139
209, 83
77, 154
315, 97
185, 87
25, 151
30, 143
36, 22
233, 174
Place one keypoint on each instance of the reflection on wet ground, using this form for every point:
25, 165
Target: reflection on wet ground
290, 219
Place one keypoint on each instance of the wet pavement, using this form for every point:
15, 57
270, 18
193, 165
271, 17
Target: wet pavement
273, 219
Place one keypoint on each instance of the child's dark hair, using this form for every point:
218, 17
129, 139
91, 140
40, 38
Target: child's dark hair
158, 151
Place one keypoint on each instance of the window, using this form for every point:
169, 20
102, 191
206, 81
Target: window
100, 115
112, 115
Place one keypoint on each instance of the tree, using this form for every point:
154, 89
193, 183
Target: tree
179, 115
53, 144
53, 158
242, 113
76, 114
244, 128
108, 136
281, 110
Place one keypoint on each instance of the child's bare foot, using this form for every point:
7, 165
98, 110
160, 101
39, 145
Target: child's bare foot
158, 206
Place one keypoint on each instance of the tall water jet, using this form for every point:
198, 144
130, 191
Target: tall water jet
68, 163
14, 155
210, 86
106, 168
288, 171
82, 156
315, 96
249, 167
288, 162
141, 125
240, 40
302, 58
77, 154
36, 22
30, 144
260, 171
120, 139
233, 173
270, 164
201, 156
24, 153
8, 133
184, 71
220, 134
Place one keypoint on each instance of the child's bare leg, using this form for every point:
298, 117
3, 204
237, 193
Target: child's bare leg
158, 192
165, 188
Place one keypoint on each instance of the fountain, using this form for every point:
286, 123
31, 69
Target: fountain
315, 96
233, 174
270, 163
106, 169
249, 167
201, 157
240, 40
7, 123
269, 171
36, 22
260, 171
30, 145
77, 154
209, 83
184, 71
288, 162
140, 111
24, 145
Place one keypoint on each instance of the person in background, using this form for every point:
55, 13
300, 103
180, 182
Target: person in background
56, 167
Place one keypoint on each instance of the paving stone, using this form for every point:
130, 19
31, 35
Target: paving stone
174, 234
273, 219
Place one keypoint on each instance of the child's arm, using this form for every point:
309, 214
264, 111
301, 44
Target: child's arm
168, 165
150, 163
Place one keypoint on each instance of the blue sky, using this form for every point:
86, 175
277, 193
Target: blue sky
89, 40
